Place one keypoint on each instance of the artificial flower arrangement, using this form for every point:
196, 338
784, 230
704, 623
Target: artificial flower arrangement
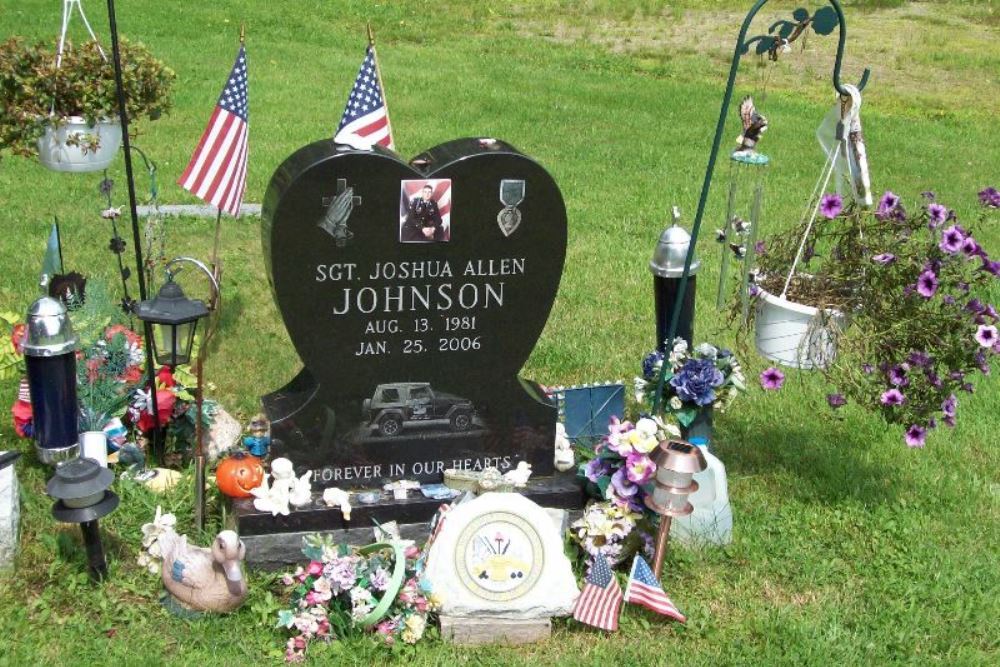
914, 285
695, 381
175, 407
612, 529
108, 371
335, 594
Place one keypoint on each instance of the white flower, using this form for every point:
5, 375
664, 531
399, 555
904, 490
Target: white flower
646, 427
416, 624
707, 351
676, 403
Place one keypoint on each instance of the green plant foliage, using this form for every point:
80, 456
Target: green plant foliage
35, 94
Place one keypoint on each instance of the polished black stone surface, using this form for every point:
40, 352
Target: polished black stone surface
561, 491
446, 325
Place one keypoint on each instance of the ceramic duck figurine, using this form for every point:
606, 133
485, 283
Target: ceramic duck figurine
204, 579
519, 475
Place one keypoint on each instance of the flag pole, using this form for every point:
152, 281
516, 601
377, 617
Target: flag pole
381, 81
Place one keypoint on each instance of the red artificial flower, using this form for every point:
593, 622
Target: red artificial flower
93, 366
132, 337
132, 374
17, 336
165, 377
165, 401
22, 418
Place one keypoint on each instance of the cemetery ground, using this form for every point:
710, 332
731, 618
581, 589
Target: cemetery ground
849, 548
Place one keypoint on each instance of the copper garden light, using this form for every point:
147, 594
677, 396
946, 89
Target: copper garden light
676, 463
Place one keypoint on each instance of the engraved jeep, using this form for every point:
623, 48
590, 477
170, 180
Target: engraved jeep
399, 405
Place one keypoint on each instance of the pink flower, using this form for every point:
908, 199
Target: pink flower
640, 468
915, 436
831, 205
893, 397
315, 568
986, 335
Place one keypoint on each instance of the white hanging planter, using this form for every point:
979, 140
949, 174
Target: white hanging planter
57, 155
796, 335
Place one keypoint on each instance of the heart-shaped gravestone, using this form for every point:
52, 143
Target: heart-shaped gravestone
413, 294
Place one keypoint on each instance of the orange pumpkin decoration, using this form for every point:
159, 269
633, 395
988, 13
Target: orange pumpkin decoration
239, 473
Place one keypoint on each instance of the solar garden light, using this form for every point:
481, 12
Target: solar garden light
50, 357
82, 489
676, 463
174, 318
667, 267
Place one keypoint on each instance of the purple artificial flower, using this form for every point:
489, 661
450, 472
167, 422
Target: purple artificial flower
380, 579
596, 469
950, 406
622, 486
772, 379
887, 204
915, 436
836, 400
897, 375
884, 258
753, 289
989, 197
986, 335
892, 397
927, 284
697, 380
831, 205
650, 363
936, 214
951, 239
919, 359
760, 248
968, 388
640, 468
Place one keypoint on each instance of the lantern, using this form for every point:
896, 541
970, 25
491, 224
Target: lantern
676, 463
82, 489
174, 318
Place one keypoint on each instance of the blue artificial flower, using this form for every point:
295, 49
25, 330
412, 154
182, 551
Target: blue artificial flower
696, 381
650, 364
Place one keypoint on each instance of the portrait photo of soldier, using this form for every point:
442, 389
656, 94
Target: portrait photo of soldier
425, 211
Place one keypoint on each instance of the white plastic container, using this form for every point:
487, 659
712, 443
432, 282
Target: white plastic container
57, 156
94, 445
711, 522
795, 335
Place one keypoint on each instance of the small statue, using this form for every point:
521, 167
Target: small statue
273, 495
490, 479
519, 475
258, 442
334, 497
301, 493
754, 125
564, 457
204, 579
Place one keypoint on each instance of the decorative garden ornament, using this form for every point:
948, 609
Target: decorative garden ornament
518, 476
840, 133
204, 579
237, 475
564, 457
754, 125
301, 491
273, 496
334, 497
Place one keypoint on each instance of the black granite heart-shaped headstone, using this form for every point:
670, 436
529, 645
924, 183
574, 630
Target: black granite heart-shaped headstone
413, 294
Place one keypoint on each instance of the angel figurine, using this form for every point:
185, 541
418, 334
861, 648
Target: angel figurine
274, 497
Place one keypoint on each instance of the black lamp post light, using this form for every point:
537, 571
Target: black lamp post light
82, 489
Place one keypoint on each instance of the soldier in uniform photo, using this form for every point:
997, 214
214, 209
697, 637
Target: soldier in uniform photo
423, 219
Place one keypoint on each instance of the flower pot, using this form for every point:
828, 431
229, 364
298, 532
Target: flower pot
55, 154
795, 335
94, 445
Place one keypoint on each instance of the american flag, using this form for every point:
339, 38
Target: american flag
217, 172
366, 117
644, 589
601, 598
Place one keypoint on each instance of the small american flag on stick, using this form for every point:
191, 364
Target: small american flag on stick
645, 590
366, 117
217, 172
601, 599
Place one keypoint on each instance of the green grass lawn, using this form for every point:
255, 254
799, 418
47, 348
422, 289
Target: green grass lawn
849, 548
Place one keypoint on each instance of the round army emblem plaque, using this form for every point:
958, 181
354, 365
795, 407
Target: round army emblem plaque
499, 556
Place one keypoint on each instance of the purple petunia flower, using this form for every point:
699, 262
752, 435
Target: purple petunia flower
951, 239
596, 469
968, 388
982, 363
989, 197
772, 379
957, 376
949, 421
892, 397
760, 248
948, 299
836, 400
927, 284
831, 205
887, 204
868, 369
975, 306
897, 375
933, 379
970, 248
919, 359
950, 406
884, 258
936, 214
986, 335
990, 266
915, 436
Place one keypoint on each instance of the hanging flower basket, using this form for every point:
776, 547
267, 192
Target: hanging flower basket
796, 335
74, 145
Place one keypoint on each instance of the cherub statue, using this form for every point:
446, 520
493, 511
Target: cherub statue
273, 496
